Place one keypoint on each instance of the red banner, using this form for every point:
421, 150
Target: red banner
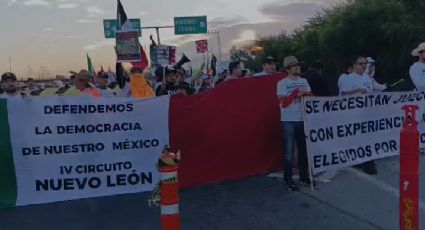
230, 132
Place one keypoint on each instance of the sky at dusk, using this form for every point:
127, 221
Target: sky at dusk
57, 34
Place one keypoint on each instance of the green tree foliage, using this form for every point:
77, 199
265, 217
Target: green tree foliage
385, 29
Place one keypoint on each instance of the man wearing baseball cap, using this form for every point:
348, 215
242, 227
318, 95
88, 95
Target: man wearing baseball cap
370, 71
417, 70
290, 90
9, 85
269, 67
169, 82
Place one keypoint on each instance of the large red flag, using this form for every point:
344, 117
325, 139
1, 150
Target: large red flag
229, 132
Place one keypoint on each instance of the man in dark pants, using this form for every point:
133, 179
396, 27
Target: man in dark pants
358, 83
290, 90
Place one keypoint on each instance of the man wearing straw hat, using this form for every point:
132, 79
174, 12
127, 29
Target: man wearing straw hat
290, 90
83, 83
417, 70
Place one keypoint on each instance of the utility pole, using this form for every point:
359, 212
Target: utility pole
10, 64
29, 69
219, 42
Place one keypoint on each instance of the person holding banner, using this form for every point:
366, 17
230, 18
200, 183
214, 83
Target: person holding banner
358, 82
290, 90
9, 86
417, 70
370, 71
348, 69
83, 84
101, 83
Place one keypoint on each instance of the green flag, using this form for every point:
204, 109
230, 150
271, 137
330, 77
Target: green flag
8, 180
90, 67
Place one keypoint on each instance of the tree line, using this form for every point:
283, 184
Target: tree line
387, 30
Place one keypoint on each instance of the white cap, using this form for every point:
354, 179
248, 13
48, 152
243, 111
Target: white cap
419, 49
370, 60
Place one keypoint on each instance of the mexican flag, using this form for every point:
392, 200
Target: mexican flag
80, 147
8, 186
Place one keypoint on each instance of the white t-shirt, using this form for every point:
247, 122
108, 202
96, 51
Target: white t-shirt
284, 88
342, 80
417, 73
349, 82
260, 74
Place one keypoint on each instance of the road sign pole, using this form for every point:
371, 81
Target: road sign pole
157, 30
219, 46
219, 42
157, 35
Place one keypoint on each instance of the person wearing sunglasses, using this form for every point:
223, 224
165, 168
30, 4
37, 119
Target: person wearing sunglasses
357, 82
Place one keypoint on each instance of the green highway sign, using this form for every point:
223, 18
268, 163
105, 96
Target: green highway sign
110, 27
190, 25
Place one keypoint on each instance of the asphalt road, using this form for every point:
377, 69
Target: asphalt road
352, 200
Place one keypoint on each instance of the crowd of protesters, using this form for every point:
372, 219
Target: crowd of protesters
165, 80
358, 78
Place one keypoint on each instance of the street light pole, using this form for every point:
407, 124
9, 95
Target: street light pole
157, 36
10, 64
157, 30
219, 42
219, 46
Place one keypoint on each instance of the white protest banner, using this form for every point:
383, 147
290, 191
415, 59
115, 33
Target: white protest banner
345, 131
128, 46
64, 148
